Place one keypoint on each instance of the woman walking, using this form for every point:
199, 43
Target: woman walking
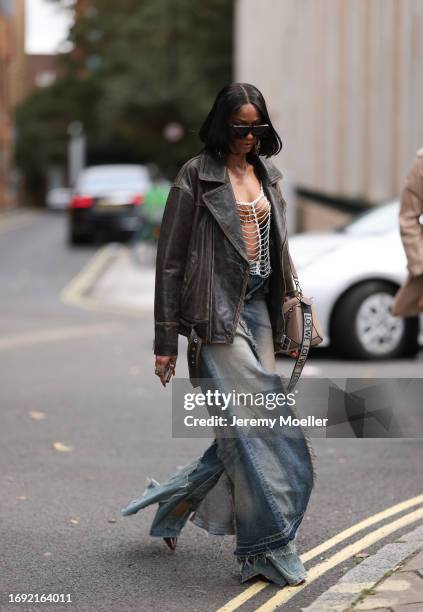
223, 271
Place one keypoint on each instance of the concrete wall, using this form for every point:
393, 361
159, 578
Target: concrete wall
343, 80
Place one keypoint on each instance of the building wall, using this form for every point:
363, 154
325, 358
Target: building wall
343, 82
42, 69
12, 90
19, 85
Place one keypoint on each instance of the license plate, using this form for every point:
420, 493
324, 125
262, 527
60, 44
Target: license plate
109, 205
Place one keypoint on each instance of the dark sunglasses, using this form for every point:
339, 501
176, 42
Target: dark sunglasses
241, 131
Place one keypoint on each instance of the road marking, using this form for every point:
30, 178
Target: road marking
56, 335
251, 591
368, 522
345, 553
75, 292
240, 599
76, 289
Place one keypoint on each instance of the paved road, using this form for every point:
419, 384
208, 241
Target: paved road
84, 423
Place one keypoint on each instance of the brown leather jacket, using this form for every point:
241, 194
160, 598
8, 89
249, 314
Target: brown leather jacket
202, 265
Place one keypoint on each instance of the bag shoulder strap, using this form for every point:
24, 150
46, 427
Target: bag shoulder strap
305, 346
294, 273
307, 331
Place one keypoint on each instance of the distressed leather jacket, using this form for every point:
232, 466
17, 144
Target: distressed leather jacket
202, 266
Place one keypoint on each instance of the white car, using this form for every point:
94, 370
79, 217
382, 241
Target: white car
353, 274
58, 198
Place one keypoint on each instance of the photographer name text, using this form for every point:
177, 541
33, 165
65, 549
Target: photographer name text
271, 422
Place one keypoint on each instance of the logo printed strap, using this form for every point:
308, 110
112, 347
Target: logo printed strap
305, 346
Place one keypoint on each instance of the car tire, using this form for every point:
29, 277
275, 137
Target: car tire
349, 325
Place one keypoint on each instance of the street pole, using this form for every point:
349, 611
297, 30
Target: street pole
76, 150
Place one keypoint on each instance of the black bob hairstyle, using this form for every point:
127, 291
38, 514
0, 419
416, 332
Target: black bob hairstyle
215, 130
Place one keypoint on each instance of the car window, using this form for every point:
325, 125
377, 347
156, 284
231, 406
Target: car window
379, 220
101, 179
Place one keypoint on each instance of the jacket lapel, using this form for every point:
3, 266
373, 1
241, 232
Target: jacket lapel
221, 199
221, 203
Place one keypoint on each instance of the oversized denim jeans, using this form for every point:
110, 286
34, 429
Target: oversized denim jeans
258, 487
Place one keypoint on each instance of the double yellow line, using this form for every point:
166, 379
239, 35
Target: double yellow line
345, 553
76, 291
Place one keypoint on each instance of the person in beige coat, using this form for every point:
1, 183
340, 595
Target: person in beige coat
408, 301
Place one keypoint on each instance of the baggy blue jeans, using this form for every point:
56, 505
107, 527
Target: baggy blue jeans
257, 488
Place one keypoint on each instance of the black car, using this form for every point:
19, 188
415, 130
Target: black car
107, 199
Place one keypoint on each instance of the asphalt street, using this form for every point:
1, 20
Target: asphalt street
84, 422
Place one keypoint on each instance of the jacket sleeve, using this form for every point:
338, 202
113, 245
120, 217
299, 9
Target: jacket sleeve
175, 231
410, 228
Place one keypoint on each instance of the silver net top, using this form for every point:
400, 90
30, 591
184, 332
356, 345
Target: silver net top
255, 219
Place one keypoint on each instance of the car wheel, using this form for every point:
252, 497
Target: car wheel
364, 328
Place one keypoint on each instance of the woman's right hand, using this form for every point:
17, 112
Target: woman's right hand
161, 365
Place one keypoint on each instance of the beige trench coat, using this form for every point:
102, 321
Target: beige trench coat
408, 301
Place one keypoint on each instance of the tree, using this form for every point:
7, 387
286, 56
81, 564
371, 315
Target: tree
135, 66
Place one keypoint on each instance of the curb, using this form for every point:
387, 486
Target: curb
77, 291
357, 581
114, 282
126, 287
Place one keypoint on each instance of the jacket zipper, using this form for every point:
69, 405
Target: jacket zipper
238, 310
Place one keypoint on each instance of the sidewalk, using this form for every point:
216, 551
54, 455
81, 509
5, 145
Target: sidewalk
391, 580
401, 591
129, 281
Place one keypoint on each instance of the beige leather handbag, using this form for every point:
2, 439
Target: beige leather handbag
302, 327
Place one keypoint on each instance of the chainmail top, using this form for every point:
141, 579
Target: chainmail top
255, 219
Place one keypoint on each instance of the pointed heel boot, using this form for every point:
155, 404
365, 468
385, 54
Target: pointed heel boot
171, 542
